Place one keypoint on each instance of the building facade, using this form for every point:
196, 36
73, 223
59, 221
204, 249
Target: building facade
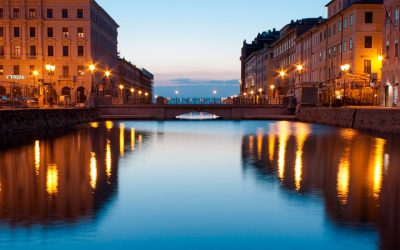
68, 35
256, 64
391, 65
133, 81
311, 53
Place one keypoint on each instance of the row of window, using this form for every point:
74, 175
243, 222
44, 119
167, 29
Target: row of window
50, 51
50, 32
32, 13
65, 70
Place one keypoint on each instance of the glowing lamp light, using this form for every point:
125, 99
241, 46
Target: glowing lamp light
146, 94
35, 73
132, 90
107, 73
92, 67
380, 58
345, 67
260, 90
299, 67
282, 73
176, 92
272, 87
121, 87
140, 92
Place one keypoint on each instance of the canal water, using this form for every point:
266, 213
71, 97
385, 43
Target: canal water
201, 185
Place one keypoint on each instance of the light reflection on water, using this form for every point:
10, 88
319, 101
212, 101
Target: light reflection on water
196, 185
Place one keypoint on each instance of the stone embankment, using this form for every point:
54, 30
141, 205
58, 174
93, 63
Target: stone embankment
23, 121
374, 119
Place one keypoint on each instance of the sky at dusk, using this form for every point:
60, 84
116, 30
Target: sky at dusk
194, 45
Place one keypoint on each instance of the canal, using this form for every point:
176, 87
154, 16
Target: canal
201, 185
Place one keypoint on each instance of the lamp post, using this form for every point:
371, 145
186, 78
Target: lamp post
272, 87
299, 69
107, 74
92, 68
50, 70
35, 73
345, 68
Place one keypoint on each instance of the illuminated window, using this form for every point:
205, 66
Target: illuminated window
65, 32
81, 70
80, 32
367, 66
1, 70
17, 50
65, 71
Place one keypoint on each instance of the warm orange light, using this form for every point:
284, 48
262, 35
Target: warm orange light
345, 67
272, 87
282, 73
380, 58
50, 68
35, 73
252, 92
132, 90
140, 92
260, 90
299, 67
107, 73
121, 87
146, 94
92, 67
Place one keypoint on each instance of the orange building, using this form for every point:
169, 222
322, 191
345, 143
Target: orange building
69, 35
350, 37
391, 65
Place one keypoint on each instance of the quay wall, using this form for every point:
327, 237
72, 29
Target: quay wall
382, 120
29, 120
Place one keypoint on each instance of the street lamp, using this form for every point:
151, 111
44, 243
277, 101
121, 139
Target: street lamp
50, 70
92, 68
107, 74
299, 69
345, 68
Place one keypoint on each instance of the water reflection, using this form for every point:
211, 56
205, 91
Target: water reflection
345, 168
63, 179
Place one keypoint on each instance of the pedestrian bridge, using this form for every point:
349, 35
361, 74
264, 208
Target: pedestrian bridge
171, 112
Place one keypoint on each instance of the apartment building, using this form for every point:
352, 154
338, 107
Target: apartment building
69, 36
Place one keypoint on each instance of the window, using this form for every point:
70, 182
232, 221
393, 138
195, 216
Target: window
50, 32
367, 66
31, 69
65, 51
17, 50
344, 46
369, 17
1, 12
79, 13
65, 32
396, 15
81, 51
1, 31
368, 42
1, 70
345, 23
32, 13
49, 13
80, 32
32, 50
351, 20
340, 27
65, 71
334, 29
50, 50
16, 69
16, 32
396, 48
64, 13
351, 43
16, 13
32, 32
387, 49
81, 70
1, 50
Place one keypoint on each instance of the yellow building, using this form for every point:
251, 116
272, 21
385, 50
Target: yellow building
351, 36
69, 35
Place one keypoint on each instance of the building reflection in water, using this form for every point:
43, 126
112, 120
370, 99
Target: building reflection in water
349, 170
63, 179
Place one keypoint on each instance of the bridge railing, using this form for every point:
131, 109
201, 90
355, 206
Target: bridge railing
201, 101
